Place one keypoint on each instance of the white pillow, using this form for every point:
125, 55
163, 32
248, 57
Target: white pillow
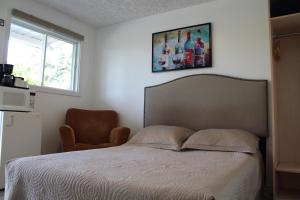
163, 137
223, 140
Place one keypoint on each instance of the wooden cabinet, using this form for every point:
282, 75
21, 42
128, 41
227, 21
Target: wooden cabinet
286, 105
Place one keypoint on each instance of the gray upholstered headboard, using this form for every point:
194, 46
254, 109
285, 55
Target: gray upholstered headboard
209, 101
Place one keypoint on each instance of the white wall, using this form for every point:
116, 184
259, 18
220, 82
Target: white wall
53, 106
240, 49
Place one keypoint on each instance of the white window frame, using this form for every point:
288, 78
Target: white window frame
75, 79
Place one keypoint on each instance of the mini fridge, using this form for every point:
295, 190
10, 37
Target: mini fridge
20, 136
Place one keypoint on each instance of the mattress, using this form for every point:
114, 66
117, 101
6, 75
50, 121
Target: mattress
130, 172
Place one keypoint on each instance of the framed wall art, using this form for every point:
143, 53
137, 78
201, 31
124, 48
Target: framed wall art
183, 48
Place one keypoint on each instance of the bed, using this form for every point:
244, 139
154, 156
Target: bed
141, 172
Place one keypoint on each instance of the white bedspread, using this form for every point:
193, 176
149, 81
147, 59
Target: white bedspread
132, 172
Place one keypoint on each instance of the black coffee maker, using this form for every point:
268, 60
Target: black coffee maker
6, 77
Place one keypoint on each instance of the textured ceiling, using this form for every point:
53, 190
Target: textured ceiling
105, 12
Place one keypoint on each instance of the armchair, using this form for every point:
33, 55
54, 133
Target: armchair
86, 129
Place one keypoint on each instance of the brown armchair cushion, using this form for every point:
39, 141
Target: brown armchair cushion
92, 127
87, 129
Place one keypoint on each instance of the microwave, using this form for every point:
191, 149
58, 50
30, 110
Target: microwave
15, 99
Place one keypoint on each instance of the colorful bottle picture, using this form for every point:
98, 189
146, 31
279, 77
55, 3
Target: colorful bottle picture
184, 48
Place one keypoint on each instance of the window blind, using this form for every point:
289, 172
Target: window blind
40, 22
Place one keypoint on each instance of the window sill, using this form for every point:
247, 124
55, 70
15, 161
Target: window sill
49, 90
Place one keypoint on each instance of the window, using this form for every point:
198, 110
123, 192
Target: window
43, 57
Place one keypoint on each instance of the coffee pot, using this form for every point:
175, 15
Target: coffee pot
6, 77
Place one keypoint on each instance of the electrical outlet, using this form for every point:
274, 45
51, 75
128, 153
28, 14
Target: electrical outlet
1, 22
